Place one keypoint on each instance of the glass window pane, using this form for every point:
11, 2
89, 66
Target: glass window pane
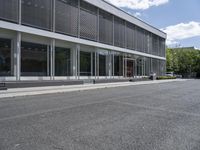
118, 65
62, 62
33, 59
102, 65
37, 13
5, 57
85, 63
66, 17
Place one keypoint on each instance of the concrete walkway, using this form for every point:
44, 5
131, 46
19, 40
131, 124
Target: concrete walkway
62, 89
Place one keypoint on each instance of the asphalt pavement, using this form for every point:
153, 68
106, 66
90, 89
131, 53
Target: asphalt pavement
163, 116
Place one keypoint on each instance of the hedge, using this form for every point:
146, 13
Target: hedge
165, 77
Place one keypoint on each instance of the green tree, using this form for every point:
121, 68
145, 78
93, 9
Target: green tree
183, 61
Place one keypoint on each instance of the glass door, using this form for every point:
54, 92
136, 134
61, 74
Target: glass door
129, 68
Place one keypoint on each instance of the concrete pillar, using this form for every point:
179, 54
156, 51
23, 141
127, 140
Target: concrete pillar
75, 61
18, 56
52, 59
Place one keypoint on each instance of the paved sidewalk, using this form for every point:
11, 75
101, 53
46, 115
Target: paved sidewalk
62, 89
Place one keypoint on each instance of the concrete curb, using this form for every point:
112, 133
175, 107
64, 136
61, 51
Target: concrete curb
63, 89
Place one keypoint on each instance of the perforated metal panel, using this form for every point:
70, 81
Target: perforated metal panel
119, 32
139, 37
145, 43
155, 45
105, 27
9, 10
130, 36
150, 43
162, 47
66, 17
37, 13
88, 21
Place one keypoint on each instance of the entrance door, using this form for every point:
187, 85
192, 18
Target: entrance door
129, 67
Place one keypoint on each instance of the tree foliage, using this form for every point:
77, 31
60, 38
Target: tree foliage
183, 61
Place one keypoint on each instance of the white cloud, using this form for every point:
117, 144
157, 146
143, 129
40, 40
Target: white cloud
137, 14
137, 4
181, 31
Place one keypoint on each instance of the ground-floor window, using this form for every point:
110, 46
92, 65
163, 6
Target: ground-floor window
85, 63
140, 67
5, 57
103, 63
118, 65
34, 59
62, 61
147, 66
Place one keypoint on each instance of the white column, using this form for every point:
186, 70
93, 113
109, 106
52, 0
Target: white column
75, 61
95, 63
52, 59
18, 56
110, 64
91, 61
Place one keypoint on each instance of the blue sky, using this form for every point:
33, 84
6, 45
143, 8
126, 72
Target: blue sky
179, 18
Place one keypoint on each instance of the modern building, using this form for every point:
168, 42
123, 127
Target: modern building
75, 39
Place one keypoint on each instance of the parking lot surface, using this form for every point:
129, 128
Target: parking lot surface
162, 116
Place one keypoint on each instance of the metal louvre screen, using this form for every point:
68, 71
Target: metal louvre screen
119, 32
66, 17
37, 13
139, 39
155, 45
130, 36
9, 10
145, 42
88, 21
150, 43
105, 27
162, 47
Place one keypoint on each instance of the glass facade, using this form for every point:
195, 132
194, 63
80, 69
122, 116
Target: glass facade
118, 64
5, 57
90, 23
82, 20
140, 67
34, 59
62, 61
103, 61
85, 63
